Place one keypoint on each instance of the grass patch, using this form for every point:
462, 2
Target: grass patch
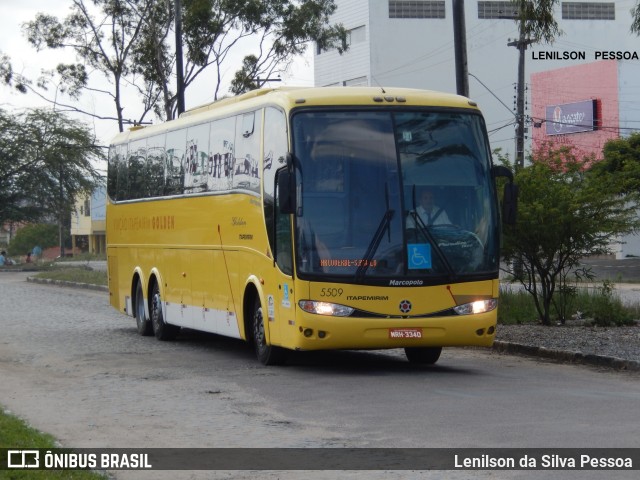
595, 306
516, 307
603, 307
75, 274
83, 257
14, 433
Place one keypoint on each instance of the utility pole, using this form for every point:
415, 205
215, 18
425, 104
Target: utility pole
62, 209
521, 45
179, 67
460, 47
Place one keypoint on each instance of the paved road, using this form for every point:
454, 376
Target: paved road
75, 368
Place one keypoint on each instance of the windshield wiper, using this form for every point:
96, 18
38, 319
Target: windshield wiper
377, 237
375, 243
419, 224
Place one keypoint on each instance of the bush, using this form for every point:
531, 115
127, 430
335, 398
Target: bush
605, 309
41, 234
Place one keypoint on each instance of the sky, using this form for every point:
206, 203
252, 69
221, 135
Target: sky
28, 62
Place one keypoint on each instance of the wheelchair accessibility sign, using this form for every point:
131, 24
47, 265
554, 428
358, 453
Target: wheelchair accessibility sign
419, 255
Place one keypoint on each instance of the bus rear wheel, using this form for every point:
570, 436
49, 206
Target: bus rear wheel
267, 354
142, 322
423, 355
161, 329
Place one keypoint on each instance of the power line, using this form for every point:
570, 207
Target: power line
494, 95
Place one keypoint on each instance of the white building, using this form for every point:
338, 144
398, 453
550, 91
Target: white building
409, 43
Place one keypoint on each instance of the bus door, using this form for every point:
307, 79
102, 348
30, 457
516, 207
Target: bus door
281, 300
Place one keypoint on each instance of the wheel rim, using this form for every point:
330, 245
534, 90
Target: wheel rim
156, 310
258, 329
140, 306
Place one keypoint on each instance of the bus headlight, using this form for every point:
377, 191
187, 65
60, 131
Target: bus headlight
325, 308
479, 306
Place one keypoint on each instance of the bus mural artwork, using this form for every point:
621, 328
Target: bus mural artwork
305, 219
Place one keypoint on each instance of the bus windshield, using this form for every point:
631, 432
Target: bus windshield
391, 194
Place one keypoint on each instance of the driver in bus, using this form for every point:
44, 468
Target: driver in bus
429, 212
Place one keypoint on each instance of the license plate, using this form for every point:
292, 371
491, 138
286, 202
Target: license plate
405, 333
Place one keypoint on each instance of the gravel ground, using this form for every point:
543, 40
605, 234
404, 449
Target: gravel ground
575, 340
615, 342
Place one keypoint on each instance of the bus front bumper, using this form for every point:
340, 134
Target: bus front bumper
318, 332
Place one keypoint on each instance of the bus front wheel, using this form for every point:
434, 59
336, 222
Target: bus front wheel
161, 329
142, 322
267, 354
423, 355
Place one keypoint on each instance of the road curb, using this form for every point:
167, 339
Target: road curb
64, 283
566, 356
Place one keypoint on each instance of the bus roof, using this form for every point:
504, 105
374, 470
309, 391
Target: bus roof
291, 97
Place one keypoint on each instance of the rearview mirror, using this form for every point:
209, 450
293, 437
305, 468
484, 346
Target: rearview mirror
510, 204
502, 171
286, 191
510, 196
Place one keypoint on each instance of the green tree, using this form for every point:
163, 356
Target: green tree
40, 234
15, 205
131, 43
620, 167
102, 42
8, 76
536, 21
635, 19
46, 161
287, 28
213, 30
564, 214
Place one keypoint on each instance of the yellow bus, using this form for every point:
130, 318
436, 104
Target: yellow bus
308, 219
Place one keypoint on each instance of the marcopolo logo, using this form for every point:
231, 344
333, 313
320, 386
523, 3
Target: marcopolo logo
405, 283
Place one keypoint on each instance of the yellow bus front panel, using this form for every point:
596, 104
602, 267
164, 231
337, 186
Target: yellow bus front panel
378, 320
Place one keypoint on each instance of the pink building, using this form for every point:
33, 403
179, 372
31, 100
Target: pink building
577, 106
584, 106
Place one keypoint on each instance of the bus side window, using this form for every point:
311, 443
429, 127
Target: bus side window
137, 160
112, 172
174, 168
156, 156
122, 182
